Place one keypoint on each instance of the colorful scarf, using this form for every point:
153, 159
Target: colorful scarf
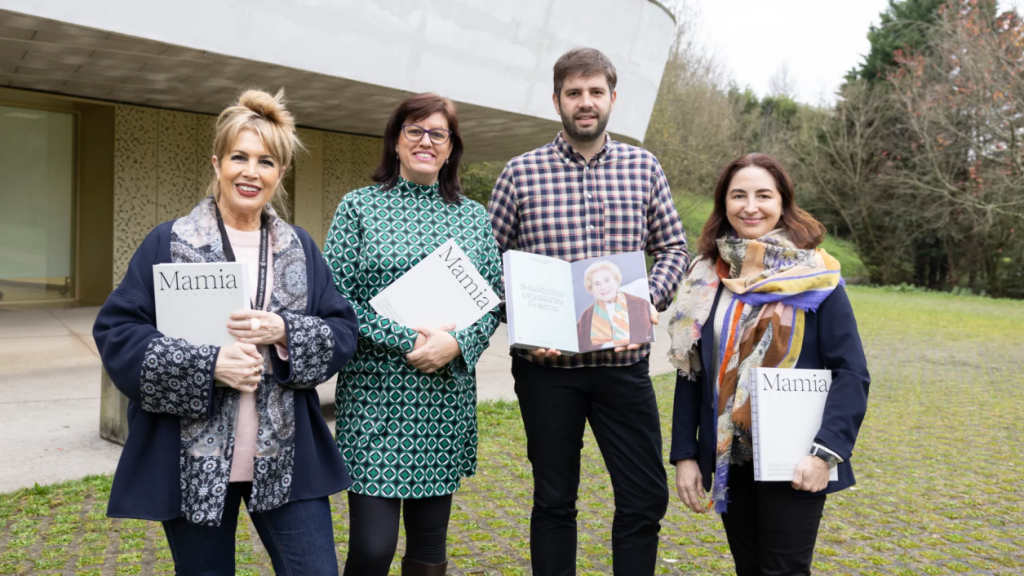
779, 283
614, 328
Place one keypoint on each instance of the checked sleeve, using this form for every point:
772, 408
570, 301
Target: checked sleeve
666, 242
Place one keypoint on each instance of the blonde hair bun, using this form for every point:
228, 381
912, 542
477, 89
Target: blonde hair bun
270, 107
267, 116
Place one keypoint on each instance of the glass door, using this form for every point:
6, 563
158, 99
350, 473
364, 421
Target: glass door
37, 191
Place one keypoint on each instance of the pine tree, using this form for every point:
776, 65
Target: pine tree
904, 25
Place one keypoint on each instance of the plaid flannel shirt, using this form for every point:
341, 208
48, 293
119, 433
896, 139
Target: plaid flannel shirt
552, 201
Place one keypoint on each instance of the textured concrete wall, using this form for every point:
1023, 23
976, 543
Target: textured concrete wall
496, 55
162, 168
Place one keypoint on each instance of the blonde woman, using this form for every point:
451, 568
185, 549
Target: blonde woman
211, 426
616, 318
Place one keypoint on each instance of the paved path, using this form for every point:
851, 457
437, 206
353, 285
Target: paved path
50, 394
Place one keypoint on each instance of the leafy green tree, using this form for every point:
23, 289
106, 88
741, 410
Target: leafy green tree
478, 179
904, 25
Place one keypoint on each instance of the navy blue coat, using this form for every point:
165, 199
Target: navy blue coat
831, 342
148, 481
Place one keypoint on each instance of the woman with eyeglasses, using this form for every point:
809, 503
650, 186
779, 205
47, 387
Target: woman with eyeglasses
406, 403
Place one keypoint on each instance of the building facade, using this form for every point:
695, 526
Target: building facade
107, 108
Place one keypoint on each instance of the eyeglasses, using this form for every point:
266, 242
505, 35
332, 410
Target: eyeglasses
436, 135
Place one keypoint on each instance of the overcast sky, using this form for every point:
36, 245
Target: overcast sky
819, 40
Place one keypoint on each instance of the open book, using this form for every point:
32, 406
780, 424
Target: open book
786, 407
195, 301
443, 288
582, 306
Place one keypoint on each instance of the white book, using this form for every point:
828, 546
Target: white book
568, 306
443, 288
786, 406
195, 301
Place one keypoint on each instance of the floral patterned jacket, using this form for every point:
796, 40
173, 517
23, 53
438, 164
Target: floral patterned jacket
177, 459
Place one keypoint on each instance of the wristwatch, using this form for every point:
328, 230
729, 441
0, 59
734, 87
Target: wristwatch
831, 459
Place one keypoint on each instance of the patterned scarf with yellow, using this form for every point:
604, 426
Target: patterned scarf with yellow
610, 326
779, 283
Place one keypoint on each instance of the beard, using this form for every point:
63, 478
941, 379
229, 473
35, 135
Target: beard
584, 134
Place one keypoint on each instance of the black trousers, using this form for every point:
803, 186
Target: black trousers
620, 405
771, 527
373, 531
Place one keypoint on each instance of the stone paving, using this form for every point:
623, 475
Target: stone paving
50, 394
939, 491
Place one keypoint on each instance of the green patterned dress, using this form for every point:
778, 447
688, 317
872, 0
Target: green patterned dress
404, 433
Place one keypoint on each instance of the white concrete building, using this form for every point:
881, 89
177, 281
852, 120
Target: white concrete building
105, 105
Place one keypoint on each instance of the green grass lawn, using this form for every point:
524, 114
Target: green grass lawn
939, 467
694, 211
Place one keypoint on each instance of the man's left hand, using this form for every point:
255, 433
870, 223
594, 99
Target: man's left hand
631, 347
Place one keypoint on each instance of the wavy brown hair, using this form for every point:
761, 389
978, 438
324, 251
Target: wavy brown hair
803, 230
412, 109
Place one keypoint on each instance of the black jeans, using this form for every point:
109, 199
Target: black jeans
298, 536
620, 405
771, 527
373, 531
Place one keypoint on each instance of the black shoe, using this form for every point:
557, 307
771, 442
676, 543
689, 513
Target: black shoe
412, 567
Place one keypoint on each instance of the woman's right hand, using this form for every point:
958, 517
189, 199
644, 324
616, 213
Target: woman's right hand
240, 366
689, 486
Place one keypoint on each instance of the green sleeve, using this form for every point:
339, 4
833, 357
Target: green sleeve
342, 249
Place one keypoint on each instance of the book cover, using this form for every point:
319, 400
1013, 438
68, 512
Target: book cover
786, 407
539, 302
195, 301
443, 288
583, 306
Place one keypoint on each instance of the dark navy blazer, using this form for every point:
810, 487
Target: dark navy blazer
147, 482
831, 342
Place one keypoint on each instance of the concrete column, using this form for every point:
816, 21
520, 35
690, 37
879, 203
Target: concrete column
113, 411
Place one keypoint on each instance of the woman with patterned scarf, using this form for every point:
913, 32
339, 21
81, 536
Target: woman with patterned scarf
212, 426
761, 294
615, 318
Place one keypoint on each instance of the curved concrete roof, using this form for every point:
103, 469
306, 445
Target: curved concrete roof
345, 63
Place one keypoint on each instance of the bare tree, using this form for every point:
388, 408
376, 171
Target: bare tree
782, 83
693, 129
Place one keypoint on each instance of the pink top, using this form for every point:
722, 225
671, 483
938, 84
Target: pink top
247, 249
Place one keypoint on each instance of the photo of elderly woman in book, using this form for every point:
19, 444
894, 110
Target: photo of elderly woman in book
616, 318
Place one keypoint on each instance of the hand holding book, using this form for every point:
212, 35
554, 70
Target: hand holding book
267, 329
811, 474
434, 348
240, 366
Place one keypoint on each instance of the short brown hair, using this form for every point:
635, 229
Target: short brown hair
584, 62
802, 229
419, 107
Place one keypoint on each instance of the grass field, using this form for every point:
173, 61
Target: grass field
939, 466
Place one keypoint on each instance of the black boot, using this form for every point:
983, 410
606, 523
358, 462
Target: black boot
412, 567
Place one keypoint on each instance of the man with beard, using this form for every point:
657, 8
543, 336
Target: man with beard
586, 195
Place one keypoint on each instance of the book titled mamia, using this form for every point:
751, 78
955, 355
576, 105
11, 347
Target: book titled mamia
195, 301
786, 406
575, 307
443, 288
